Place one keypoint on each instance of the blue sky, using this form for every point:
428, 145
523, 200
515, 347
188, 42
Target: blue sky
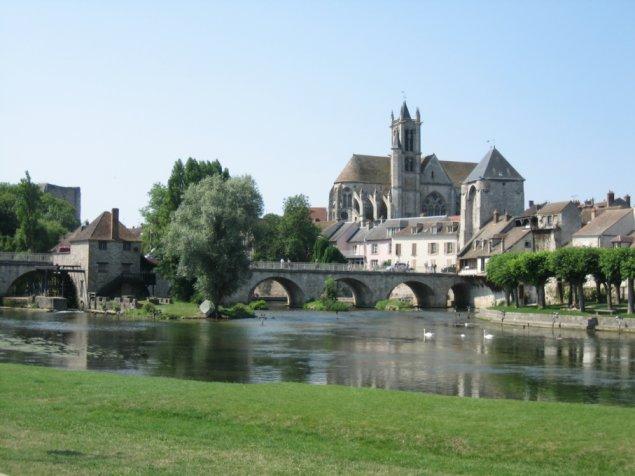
106, 95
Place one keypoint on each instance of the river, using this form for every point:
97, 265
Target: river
360, 348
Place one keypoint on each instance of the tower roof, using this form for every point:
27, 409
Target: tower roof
405, 114
494, 167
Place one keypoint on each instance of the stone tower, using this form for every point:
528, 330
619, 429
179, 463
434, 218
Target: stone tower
493, 185
405, 162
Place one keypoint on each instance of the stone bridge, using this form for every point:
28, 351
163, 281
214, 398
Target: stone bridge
16, 265
305, 281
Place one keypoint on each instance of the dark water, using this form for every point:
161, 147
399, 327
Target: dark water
371, 349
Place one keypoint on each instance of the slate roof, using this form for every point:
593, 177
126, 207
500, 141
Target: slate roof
494, 167
510, 238
553, 208
603, 222
330, 230
375, 169
405, 113
100, 229
366, 169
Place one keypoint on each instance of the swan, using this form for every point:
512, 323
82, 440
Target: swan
462, 336
427, 334
486, 335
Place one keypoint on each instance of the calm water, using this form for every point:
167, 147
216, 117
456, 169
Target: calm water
370, 349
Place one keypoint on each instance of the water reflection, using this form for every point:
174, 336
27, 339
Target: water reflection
370, 349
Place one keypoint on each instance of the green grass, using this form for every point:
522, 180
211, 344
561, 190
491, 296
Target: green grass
64, 422
330, 305
590, 310
181, 309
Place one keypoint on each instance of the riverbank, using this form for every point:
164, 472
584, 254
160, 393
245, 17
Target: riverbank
548, 319
54, 421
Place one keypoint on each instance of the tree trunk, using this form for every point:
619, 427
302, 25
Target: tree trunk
507, 300
560, 291
609, 298
516, 299
630, 292
598, 290
543, 298
573, 301
618, 293
582, 306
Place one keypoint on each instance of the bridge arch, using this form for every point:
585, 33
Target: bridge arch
459, 296
423, 294
362, 294
295, 294
39, 282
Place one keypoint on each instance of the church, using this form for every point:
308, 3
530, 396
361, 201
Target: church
407, 184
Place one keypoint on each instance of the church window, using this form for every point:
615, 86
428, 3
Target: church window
432, 174
347, 198
410, 140
433, 205
410, 164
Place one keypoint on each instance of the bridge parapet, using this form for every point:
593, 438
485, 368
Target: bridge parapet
26, 257
332, 267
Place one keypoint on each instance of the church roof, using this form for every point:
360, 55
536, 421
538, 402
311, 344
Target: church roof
494, 166
366, 169
457, 171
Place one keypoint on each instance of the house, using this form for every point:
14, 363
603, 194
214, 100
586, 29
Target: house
552, 224
600, 231
429, 245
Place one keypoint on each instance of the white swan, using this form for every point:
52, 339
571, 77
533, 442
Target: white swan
427, 334
486, 335
462, 336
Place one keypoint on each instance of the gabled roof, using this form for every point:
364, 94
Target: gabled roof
100, 229
494, 167
457, 171
330, 230
553, 208
371, 169
603, 222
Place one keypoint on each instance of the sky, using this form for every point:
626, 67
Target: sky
107, 95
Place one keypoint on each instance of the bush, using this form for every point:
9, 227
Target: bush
327, 305
238, 311
149, 308
393, 305
258, 305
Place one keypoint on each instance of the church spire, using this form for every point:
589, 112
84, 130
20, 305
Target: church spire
405, 114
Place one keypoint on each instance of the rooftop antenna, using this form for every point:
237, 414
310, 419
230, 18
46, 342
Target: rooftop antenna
492, 142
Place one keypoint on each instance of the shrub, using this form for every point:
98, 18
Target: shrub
331, 305
258, 305
393, 305
238, 311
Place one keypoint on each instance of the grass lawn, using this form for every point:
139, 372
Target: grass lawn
181, 309
590, 310
62, 422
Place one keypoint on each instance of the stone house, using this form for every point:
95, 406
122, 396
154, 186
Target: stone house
552, 224
430, 245
109, 255
604, 228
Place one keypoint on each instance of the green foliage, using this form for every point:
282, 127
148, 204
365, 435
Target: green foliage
238, 311
163, 202
393, 305
258, 305
267, 244
321, 244
627, 266
502, 271
572, 264
611, 264
330, 289
333, 255
534, 268
31, 220
327, 305
208, 233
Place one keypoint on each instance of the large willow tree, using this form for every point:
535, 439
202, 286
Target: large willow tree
209, 232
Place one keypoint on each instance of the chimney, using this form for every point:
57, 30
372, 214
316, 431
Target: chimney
114, 224
531, 204
627, 199
610, 198
496, 216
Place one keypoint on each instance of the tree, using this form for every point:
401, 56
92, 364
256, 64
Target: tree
298, 233
27, 208
209, 231
572, 265
610, 265
333, 255
330, 289
595, 271
321, 244
164, 200
502, 272
267, 245
535, 269
627, 269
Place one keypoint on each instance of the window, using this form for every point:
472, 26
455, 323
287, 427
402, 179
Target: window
347, 198
527, 244
410, 164
433, 248
414, 249
374, 263
389, 247
433, 205
373, 248
125, 267
127, 246
398, 249
410, 141
432, 174
103, 245
449, 248
549, 219
102, 267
